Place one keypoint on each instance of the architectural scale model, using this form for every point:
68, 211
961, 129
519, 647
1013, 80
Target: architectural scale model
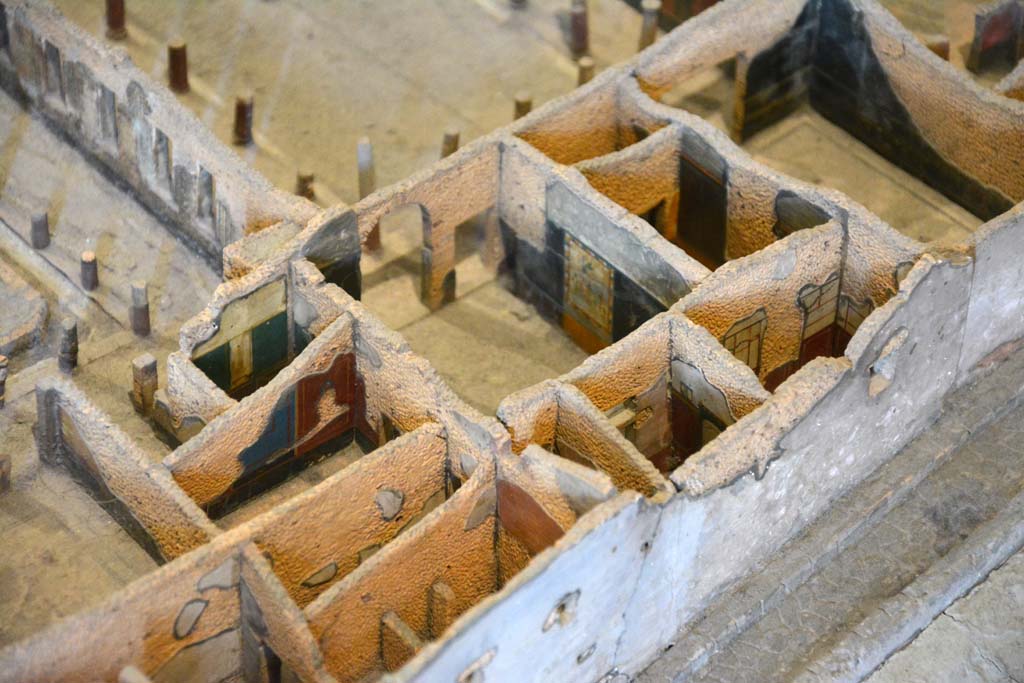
721, 348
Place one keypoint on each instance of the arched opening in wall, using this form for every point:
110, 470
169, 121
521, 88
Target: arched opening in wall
424, 265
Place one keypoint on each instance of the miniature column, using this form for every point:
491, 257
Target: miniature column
579, 28
67, 352
367, 185
242, 134
524, 103
367, 173
90, 271
304, 184
138, 314
649, 26
3, 379
116, 24
586, 70
177, 65
144, 382
450, 142
5, 472
40, 233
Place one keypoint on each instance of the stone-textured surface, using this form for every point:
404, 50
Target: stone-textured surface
978, 638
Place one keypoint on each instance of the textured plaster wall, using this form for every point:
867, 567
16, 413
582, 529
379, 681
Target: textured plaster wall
639, 176
148, 624
178, 167
87, 441
770, 279
207, 465
453, 544
622, 371
582, 430
691, 343
583, 125
353, 512
284, 626
979, 131
712, 37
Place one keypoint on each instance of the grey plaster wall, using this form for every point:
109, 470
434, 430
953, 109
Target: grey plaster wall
137, 129
996, 313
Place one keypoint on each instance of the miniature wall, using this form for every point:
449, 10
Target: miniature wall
823, 432
597, 275
715, 205
958, 138
272, 622
997, 35
996, 315
139, 494
180, 620
449, 193
640, 407
433, 573
593, 120
714, 37
761, 306
416, 587
137, 129
306, 412
321, 535
244, 335
772, 82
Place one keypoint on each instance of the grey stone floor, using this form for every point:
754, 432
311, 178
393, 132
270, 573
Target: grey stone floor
969, 489
978, 638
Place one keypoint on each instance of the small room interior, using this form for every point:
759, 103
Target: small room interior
791, 120
698, 200
408, 594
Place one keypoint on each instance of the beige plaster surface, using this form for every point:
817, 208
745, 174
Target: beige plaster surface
324, 74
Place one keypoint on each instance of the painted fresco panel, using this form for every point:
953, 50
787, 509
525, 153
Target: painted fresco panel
269, 344
277, 435
588, 287
216, 364
325, 407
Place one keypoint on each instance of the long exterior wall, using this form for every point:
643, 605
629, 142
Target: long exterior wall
138, 130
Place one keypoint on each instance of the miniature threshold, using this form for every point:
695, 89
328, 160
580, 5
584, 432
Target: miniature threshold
310, 501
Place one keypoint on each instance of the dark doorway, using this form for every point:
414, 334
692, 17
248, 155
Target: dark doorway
702, 211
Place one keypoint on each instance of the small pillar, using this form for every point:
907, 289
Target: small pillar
144, 382
5, 472
304, 184
242, 133
450, 142
649, 26
177, 65
40, 232
3, 379
367, 172
67, 352
586, 70
579, 28
90, 271
138, 314
116, 23
524, 104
